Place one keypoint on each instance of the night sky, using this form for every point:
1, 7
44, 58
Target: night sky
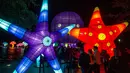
82, 7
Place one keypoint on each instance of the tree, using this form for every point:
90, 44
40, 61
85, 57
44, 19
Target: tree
17, 11
124, 10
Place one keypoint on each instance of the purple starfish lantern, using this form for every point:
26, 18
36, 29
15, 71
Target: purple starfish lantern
40, 41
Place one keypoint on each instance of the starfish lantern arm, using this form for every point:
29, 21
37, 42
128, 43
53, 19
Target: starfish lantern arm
29, 57
62, 32
80, 34
50, 56
117, 29
15, 30
43, 17
96, 18
23, 66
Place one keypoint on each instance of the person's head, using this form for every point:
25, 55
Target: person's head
104, 52
81, 50
115, 52
95, 48
90, 51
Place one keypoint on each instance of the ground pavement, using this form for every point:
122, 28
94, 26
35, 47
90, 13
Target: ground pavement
9, 66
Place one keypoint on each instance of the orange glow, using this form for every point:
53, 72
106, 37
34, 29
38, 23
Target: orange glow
97, 34
115, 31
85, 33
108, 44
90, 34
122, 26
75, 32
96, 14
111, 33
99, 26
98, 21
96, 45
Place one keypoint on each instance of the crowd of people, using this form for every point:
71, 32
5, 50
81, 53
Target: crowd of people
73, 59
76, 60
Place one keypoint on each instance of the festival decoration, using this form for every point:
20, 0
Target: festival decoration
5, 44
4, 49
25, 44
40, 41
12, 44
20, 44
11, 50
97, 34
64, 19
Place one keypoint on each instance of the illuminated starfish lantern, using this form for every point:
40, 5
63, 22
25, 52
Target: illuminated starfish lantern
40, 41
97, 34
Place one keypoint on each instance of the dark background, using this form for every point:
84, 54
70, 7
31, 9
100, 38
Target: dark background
24, 13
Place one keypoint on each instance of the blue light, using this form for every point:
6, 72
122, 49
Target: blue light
44, 5
43, 16
17, 31
58, 71
4, 24
23, 66
15, 71
65, 30
70, 27
38, 61
54, 64
42, 55
47, 41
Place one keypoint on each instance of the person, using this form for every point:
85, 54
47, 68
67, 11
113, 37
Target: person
115, 63
84, 61
76, 55
91, 64
97, 60
62, 58
105, 59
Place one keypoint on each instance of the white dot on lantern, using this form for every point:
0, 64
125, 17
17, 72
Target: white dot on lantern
59, 25
77, 25
115, 31
111, 33
85, 33
98, 21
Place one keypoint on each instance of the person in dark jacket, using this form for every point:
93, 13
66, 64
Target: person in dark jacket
84, 61
115, 63
105, 60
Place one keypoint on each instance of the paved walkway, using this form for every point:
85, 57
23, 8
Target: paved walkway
8, 67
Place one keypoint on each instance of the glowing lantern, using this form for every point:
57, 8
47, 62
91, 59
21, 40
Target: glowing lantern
64, 19
12, 43
97, 34
40, 42
25, 44
5, 44
20, 44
